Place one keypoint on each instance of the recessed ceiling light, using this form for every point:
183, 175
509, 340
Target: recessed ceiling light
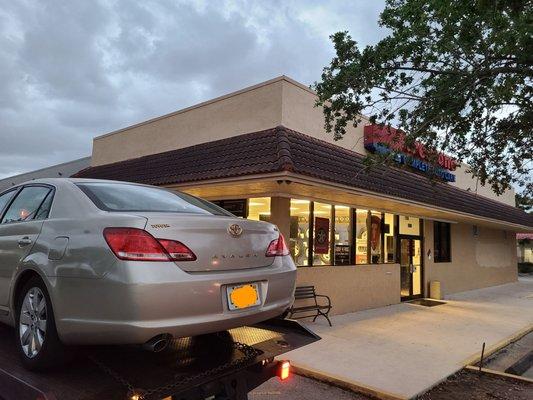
298, 201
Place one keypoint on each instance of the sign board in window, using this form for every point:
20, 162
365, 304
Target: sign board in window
342, 254
321, 235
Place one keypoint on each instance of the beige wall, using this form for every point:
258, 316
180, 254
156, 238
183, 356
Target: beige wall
250, 110
300, 114
477, 261
464, 180
280, 101
354, 288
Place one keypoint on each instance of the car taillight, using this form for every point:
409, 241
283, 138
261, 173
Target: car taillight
277, 247
138, 245
284, 371
177, 250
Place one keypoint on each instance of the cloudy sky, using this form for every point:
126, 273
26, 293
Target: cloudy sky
72, 70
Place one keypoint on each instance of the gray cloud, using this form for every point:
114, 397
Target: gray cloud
72, 70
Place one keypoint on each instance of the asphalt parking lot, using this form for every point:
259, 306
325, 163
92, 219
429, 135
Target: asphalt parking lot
301, 388
463, 385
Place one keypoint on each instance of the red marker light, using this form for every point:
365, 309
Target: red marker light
284, 370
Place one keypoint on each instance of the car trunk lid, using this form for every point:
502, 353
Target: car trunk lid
220, 243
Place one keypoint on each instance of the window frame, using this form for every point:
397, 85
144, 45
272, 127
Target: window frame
354, 235
16, 189
51, 193
311, 244
439, 258
395, 233
19, 189
353, 230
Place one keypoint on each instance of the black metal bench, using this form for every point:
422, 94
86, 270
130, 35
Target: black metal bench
305, 293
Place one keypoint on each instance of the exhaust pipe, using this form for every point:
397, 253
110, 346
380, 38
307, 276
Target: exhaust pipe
158, 343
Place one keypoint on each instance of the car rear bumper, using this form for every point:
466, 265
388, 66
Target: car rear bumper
138, 302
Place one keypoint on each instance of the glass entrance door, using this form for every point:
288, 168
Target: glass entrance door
410, 268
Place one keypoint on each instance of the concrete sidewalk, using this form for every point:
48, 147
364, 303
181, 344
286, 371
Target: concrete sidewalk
405, 349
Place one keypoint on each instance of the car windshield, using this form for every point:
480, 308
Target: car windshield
128, 197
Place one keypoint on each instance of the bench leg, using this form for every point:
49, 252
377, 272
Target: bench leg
325, 315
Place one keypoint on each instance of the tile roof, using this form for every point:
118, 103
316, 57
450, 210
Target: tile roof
282, 149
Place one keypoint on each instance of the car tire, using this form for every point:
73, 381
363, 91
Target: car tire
37, 340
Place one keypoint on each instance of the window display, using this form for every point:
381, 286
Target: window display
375, 237
361, 236
259, 209
321, 234
389, 243
299, 231
342, 239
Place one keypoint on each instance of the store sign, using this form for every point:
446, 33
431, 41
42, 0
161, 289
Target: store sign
383, 140
321, 235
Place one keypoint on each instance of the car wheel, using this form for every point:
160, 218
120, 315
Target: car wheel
37, 340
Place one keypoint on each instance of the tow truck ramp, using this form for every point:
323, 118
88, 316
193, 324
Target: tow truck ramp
223, 366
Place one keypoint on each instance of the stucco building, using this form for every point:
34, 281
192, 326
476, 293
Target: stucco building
366, 237
65, 169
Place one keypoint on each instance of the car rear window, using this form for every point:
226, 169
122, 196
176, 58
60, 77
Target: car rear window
127, 197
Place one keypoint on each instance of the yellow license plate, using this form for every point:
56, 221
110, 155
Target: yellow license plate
243, 296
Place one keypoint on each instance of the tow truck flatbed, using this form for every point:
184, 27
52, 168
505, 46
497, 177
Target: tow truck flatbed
227, 365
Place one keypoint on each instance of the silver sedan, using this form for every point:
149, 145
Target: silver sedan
102, 262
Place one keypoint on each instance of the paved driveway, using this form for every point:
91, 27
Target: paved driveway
405, 349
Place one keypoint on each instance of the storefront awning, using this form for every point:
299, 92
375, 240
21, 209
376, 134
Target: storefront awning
283, 150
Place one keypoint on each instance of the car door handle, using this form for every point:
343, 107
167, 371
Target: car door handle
24, 241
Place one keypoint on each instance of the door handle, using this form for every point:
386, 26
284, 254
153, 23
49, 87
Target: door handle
24, 241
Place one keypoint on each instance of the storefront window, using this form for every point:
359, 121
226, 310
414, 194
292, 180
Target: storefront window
375, 237
388, 239
409, 225
342, 248
259, 209
441, 238
237, 206
361, 237
325, 234
322, 234
299, 239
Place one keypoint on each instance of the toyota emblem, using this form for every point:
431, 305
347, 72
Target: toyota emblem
235, 230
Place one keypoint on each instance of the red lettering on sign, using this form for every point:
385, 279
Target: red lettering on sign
395, 140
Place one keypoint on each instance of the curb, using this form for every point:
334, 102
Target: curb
498, 346
498, 373
344, 383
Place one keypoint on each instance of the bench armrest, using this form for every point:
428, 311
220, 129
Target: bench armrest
325, 297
